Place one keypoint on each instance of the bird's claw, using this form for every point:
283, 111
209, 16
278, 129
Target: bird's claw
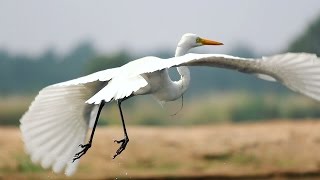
81, 145
122, 147
117, 141
82, 152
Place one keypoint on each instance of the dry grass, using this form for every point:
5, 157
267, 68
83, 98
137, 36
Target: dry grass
236, 150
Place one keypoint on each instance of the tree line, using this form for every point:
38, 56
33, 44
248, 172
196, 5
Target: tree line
27, 74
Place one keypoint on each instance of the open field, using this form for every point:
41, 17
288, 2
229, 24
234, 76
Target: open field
245, 150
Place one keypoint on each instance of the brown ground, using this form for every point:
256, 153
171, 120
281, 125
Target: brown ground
262, 149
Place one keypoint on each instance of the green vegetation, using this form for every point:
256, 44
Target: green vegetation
21, 163
309, 40
12, 108
275, 107
206, 109
26, 166
25, 74
22, 74
237, 158
99, 62
243, 99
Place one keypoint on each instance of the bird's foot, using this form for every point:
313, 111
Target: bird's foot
122, 147
82, 152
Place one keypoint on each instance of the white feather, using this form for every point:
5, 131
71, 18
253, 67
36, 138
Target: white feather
118, 88
55, 124
266, 77
300, 72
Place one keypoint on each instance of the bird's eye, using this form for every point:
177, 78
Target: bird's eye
198, 40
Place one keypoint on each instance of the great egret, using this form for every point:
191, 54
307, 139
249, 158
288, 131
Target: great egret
58, 119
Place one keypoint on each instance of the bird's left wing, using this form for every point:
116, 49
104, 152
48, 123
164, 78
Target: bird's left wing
299, 72
55, 124
58, 119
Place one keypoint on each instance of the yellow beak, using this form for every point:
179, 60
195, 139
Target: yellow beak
209, 42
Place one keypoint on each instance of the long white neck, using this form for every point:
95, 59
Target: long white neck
184, 72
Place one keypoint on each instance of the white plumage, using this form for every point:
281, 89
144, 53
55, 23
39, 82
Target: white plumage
58, 119
55, 124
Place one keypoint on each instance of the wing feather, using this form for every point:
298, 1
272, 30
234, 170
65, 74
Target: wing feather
58, 120
118, 88
298, 71
301, 76
55, 124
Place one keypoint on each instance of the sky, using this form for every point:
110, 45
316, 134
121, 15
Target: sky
142, 25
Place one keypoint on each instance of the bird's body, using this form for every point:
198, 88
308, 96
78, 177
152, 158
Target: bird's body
160, 86
60, 116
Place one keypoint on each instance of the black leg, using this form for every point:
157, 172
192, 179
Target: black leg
125, 140
88, 145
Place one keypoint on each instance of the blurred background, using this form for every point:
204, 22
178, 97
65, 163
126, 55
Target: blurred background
45, 42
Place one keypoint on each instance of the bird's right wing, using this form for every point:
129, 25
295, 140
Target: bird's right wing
300, 72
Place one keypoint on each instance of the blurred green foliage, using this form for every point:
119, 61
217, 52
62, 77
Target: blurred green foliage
205, 109
25, 74
21, 163
101, 62
275, 107
309, 40
238, 158
12, 108
25, 165
22, 75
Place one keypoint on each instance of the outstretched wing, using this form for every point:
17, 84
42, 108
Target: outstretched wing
55, 124
300, 72
58, 119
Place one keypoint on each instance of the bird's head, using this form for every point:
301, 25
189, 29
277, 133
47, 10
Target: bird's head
190, 40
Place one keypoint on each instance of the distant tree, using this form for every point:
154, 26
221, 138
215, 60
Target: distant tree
242, 50
309, 41
25, 74
102, 62
73, 64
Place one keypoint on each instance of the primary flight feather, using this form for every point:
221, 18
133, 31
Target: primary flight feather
54, 128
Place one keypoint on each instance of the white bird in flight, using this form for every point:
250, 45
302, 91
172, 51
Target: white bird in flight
55, 127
